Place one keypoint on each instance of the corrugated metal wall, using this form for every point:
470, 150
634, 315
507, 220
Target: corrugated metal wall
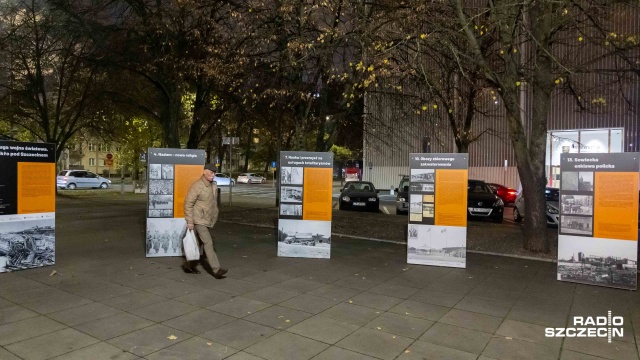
393, 129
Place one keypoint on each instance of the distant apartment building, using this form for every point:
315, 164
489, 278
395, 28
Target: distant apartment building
89, 155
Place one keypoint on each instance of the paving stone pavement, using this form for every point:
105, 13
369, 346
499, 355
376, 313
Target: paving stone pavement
107, 301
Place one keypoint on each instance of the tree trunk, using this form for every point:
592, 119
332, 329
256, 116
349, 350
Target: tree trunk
171, 119
247, 152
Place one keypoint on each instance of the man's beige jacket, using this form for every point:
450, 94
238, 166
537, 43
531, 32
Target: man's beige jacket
201, 205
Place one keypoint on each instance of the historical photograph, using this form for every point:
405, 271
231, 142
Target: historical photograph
160, 213
26, 241
161, 187
416, 187
423, 175
155, 171
577, 204
576, 225
428, 210
597, 261
160, 202
438, 245
164, 237
291, 175
428, 198
290, 210
427, 187
585, 181
415, 206
167, 171
304, 238
415, 217
291, 194
569, 181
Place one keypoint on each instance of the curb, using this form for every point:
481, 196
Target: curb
401, 243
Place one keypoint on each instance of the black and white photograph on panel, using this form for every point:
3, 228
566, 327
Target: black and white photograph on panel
577, 225
585, 181
577, 204
160, 187
155, 171
569, 181
415, 187
167, 171
160, 213
597, 261
438, 245
423, 175
304, 238
160, 202
290, 209
415, 204
428, 210
291, 194
291, 175
27, 241
164, 237
427, 187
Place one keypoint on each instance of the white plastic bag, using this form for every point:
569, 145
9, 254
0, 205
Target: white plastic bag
190, 244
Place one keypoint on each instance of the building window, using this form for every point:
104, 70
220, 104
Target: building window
92, 162
103, 162
104, 147
92, 147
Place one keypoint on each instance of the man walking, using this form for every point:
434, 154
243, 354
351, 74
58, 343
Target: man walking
201, 213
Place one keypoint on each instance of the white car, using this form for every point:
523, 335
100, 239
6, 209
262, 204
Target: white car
223, 180
77, 179
251, 178
552, 207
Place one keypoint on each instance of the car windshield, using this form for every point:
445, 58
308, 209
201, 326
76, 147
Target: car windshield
552, 194
478, 187
359, 186
404, 185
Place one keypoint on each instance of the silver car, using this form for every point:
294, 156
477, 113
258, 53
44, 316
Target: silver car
552, 212
223, 180
81, 179
250, 178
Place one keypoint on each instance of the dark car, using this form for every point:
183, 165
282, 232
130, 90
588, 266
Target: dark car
507, 194
482, 202
359, 195
402, 196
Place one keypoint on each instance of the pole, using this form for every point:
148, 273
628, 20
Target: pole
122, 180
279, 139
230, 187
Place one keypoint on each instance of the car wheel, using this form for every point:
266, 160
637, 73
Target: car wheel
341, 207
104, 186
516, 215
71, 186
264, 181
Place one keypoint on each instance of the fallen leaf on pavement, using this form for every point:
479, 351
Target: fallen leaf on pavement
171, 337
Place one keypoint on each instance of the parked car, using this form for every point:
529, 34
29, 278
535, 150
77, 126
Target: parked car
552, 195
482, 201
223, 180
359, 195
507, 194
72, 179
402, 196
251, 178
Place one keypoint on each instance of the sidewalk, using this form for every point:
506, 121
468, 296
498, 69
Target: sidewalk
107, 301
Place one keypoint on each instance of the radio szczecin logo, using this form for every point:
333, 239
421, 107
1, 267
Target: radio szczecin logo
600, 327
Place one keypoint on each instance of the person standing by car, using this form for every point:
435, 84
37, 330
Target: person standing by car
201, 213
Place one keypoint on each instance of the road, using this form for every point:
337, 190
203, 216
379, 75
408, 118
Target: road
264, 195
